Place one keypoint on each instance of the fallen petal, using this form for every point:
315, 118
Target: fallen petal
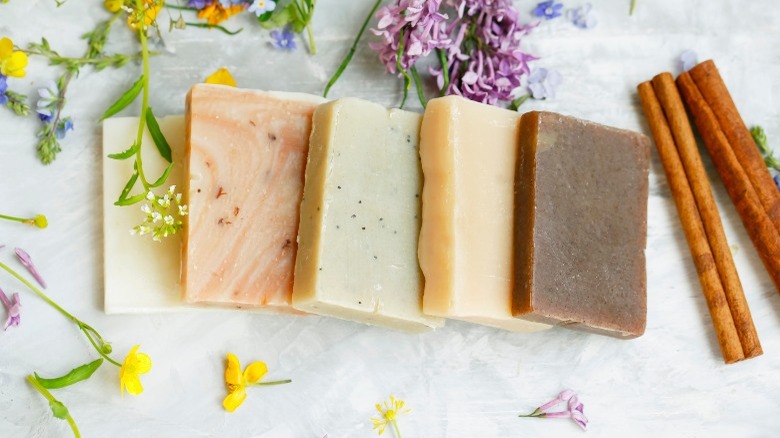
26, 260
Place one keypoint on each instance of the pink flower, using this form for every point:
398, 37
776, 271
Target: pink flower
26, 260
574, 409
14, 309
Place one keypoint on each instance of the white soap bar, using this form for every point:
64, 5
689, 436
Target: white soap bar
469, 153
360, 218
140, 275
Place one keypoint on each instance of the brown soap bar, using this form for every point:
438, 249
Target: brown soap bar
581, 225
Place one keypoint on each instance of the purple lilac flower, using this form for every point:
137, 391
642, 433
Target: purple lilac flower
198, 4
63, 127
583, 17
3, 89
548, 10
574, 410
543, 82
688, 60
26, 260
423, 30
49, 97
14, 309
494, 65
284, 39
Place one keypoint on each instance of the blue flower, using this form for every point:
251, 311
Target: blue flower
583, 17
49, 98
543, 82
63, 127
198, 4
548, 9
284, 40
777, 181
688, 60
3, 89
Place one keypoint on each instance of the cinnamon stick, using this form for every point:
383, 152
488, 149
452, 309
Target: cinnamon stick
759, 227
709, 82
725, 330
669, 97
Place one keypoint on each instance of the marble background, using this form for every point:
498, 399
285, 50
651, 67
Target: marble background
460, 381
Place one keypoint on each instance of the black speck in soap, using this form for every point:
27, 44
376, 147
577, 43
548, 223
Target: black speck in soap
416, 195
381, 219
339, 187
320, 268
198, 190
271, 136
354, 216
408, 138
395, 232
318, 209
360, 302
364, 228
376, 258
360, 202
338, 227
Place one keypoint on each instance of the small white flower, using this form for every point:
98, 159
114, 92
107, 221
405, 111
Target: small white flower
178, 198
172, 189
260, 7
182, 210
150, 196
146, 208
168, 219
156, 217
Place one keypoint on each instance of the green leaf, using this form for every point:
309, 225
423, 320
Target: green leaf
75, 375
131, 200
265, 17
157, 136
125, 99
129, 186
58, 409
161, 180
125, 154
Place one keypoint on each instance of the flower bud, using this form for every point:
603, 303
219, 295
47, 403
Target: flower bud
40, 221
113, 5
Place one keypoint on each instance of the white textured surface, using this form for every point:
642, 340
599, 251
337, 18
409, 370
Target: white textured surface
461, 381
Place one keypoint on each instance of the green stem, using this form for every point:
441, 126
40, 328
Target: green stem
401, 70
418, 85
312, 46
180, 8
397, 430
29, 221
352, 50
50, 398
215, 26
145, 99
445, 69
273, 382
81, 325
633, 5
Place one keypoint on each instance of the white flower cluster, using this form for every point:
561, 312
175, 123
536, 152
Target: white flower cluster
163, 215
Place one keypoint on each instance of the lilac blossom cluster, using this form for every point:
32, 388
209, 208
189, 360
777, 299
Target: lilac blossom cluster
479, 43
412, 27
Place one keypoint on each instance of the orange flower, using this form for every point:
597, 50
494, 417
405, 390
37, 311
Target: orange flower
215, 13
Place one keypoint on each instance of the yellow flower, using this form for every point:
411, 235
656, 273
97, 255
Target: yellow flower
236, 381
215, 13
222, 77
150, 10
113, 5
12, 63
135, 364
389, 413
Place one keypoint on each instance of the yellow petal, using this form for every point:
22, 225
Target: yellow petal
143, 363
255, 371
6, 48
233, 371
221, 77
234, 400
131, 383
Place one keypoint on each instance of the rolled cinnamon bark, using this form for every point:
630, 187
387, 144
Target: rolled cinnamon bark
709, 82
669, 97
759, 227
725, 330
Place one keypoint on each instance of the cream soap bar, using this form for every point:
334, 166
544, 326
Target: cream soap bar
246, 155
360, 218
468, 152
127, 255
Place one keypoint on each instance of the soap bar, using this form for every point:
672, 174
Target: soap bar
126, 255
581, 225
360, 218
246, 156
468, 152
